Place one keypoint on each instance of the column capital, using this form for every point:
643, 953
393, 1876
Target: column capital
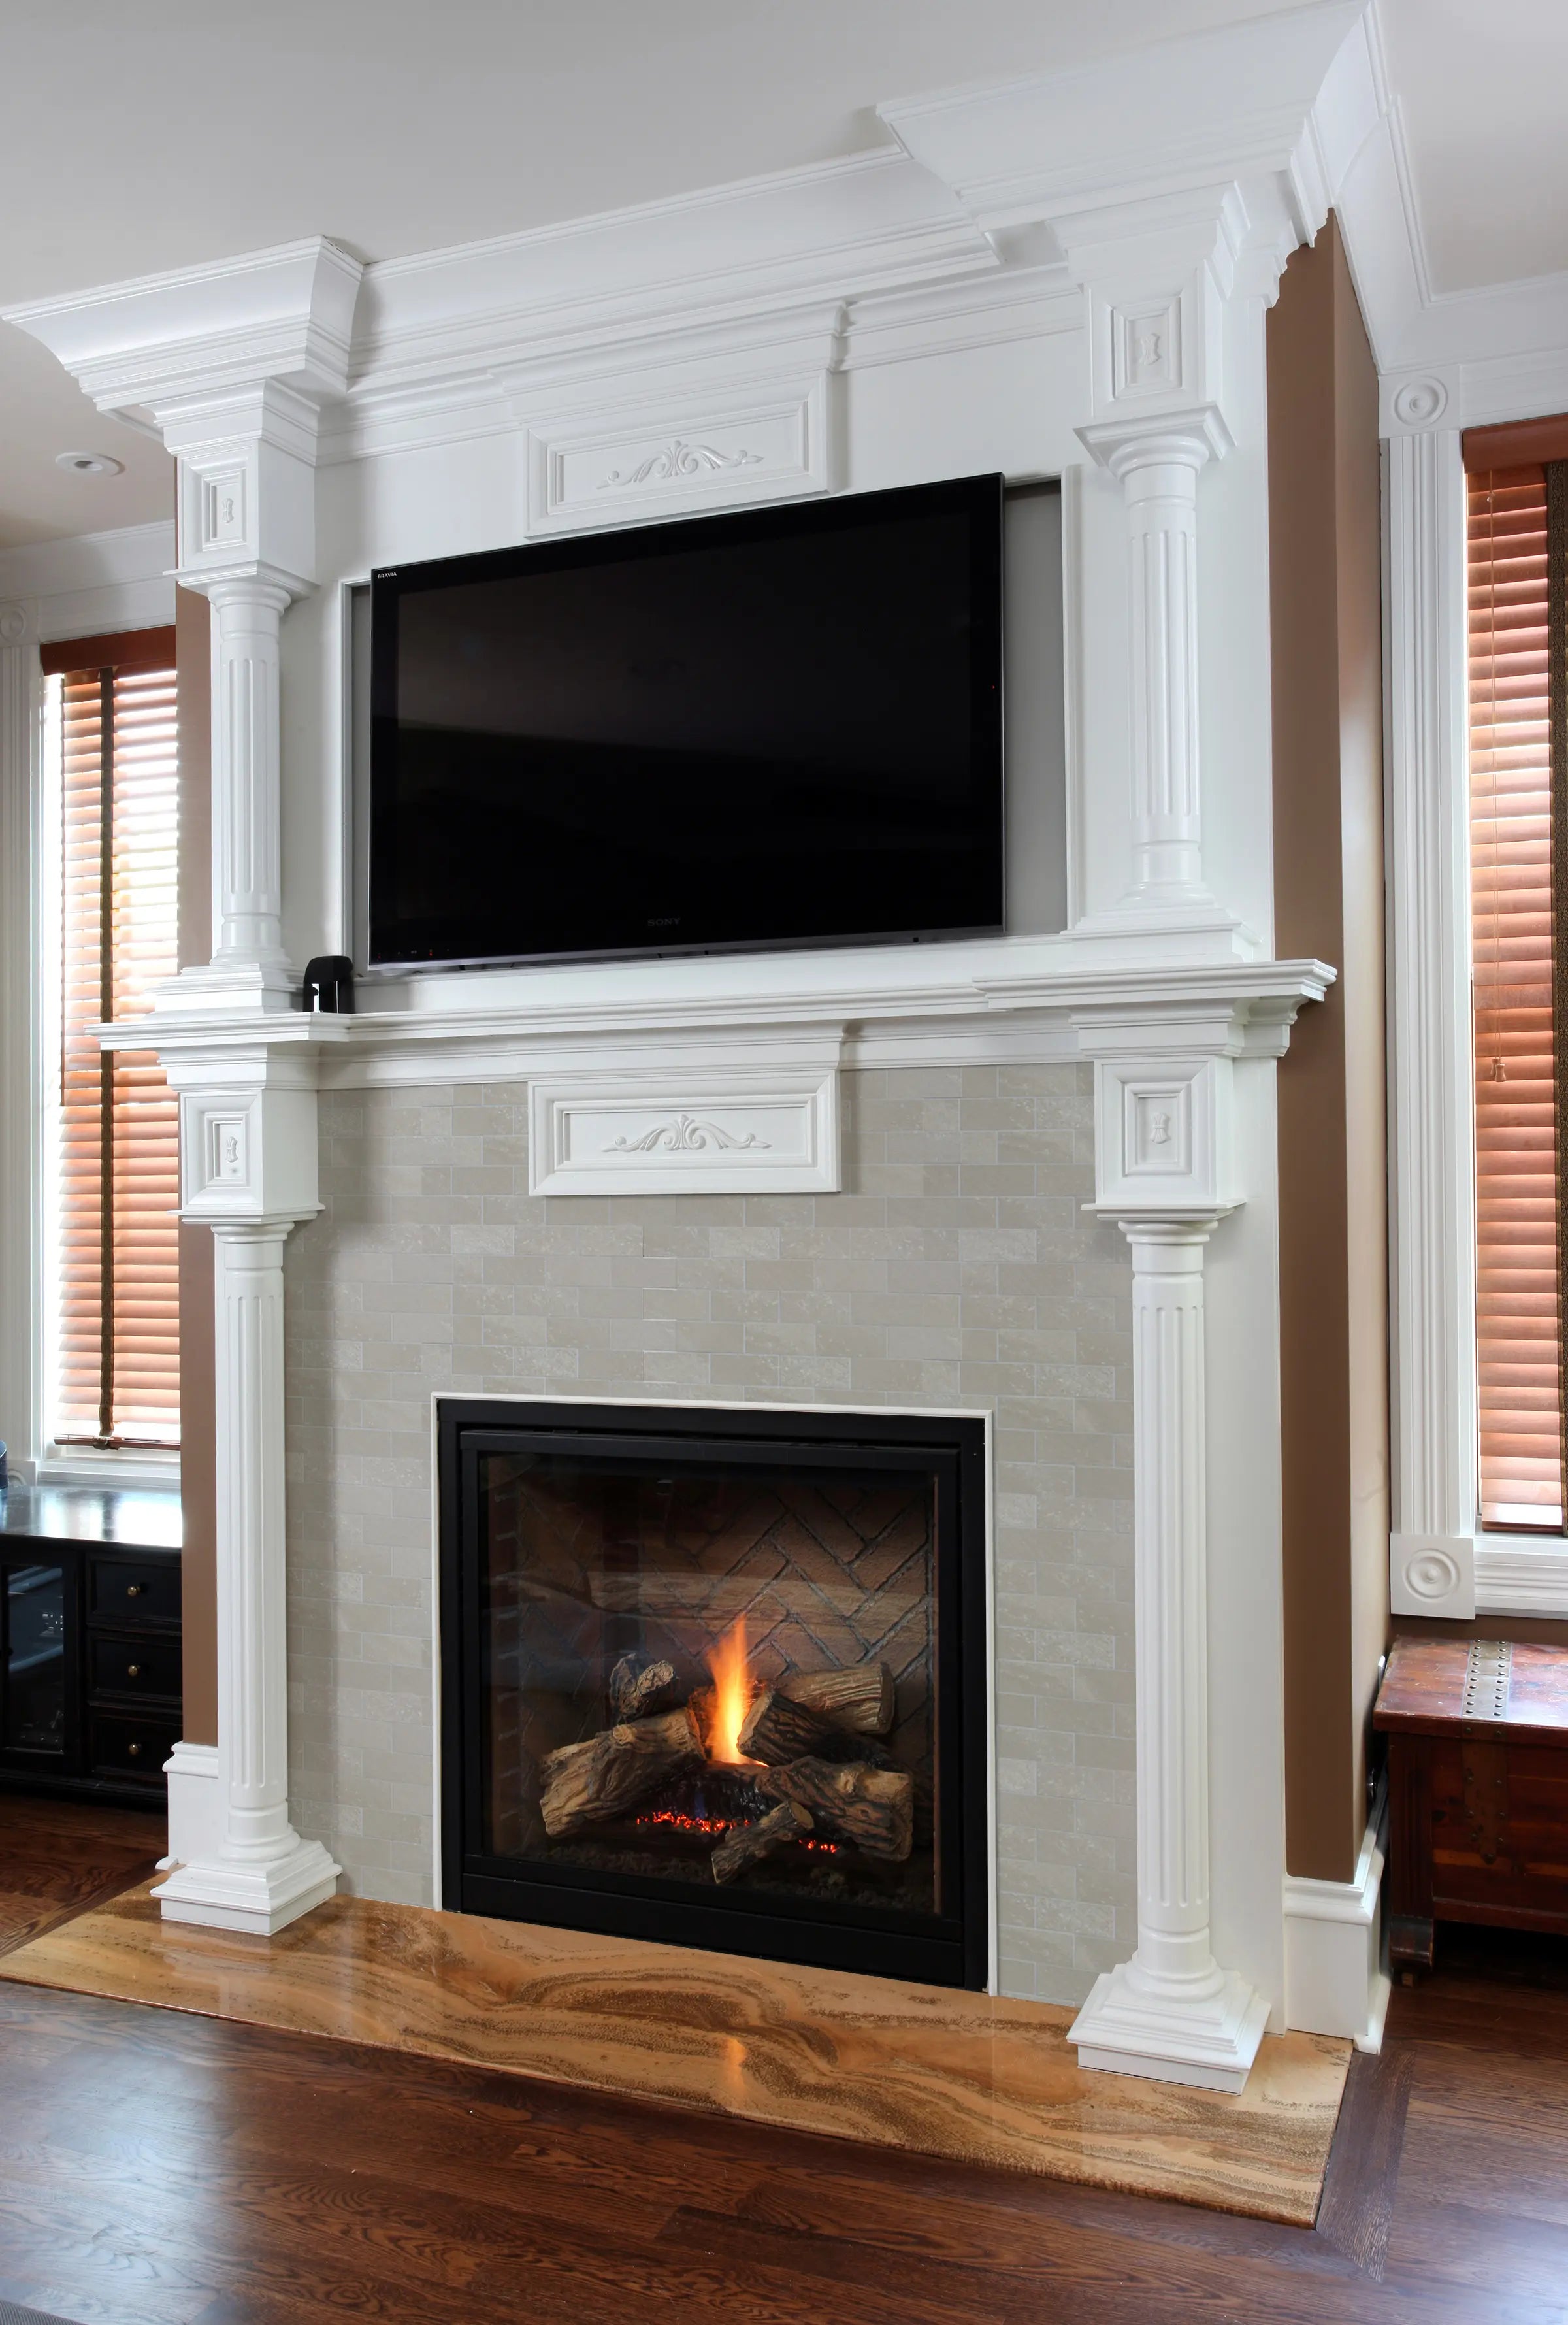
231, 365
1131, 442
245, 584
1180, 1236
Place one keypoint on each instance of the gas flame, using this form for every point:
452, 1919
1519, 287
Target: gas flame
732, 1694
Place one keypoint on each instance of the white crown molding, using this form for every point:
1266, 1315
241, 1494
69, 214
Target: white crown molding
1022, 301
163, 342
1455, 358
1193, 112
917, 247
94, 583
871, 222
747, 280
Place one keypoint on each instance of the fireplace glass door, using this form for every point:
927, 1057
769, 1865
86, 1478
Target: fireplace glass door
709, 1685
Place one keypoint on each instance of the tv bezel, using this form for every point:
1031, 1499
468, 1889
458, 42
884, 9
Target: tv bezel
978, 497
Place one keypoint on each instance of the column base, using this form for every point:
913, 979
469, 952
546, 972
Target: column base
259, 1898
254, 985
1125, 2030
1203, 933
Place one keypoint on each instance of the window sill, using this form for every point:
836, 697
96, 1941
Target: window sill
1521, 1574
118, 1469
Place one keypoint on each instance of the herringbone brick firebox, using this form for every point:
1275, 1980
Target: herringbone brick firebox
717, 1674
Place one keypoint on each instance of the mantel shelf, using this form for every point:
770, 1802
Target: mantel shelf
988, 997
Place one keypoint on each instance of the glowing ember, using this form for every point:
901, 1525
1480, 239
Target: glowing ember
732, 1694
716, 1827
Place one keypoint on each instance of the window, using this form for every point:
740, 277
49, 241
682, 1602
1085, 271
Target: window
1517, 553
113, 1127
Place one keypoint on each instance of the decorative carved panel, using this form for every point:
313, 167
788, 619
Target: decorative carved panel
750, 1136
768, 441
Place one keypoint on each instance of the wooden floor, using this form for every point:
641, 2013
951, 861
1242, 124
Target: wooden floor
58, 1857
160, 2169
967, 2077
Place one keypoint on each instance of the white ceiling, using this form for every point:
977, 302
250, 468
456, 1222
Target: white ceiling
136, 139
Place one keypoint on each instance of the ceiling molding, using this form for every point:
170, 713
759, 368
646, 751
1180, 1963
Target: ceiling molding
1208, 108
166, 341
960, 236
95, 583
1498, 352
874, 222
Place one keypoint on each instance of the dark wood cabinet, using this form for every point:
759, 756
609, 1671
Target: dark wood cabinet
89, 1640
1478, 1788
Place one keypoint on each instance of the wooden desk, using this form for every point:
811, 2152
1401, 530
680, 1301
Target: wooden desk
1478, 1788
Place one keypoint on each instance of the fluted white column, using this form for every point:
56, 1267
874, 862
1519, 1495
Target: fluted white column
1157, 468
247, 816
1161, 495
262, 1874
1171, 2012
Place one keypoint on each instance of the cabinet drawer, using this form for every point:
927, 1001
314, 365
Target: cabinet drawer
134, 1590
136, 1667
124, 1745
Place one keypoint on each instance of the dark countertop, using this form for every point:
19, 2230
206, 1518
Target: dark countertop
144, 1517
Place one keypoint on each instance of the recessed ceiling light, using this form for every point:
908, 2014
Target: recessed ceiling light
89, 464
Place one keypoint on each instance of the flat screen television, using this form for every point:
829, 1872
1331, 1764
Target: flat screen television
776, 726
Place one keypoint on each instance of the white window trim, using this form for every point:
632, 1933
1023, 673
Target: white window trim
21, 1178
1441, 1561
84, 588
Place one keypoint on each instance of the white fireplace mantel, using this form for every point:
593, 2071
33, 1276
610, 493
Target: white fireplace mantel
1123, 227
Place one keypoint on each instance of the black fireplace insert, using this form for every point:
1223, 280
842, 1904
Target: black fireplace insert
717, 1676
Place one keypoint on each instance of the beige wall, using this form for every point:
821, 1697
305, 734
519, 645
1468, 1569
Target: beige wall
957, 1268
1325, 582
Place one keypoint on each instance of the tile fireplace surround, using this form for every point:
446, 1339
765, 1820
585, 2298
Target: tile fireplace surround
1031, 1176
957, 1270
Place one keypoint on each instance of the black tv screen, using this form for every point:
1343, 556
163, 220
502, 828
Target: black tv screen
772, 727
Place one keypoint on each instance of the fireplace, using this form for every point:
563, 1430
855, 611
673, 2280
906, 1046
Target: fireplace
717, 1676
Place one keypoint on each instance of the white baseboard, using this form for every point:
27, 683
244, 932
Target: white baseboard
1334, 1983
195, 1827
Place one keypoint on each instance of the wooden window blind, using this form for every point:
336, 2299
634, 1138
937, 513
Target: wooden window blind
1516, 1044
1511, 940
118, 1380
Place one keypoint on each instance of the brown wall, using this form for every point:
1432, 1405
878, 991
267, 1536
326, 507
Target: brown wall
1325, 582
197, 1475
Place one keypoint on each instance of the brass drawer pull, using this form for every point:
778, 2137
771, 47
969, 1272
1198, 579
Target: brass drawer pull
133, 1591
135, 1750
132, 1671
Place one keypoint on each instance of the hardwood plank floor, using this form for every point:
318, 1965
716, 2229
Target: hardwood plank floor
162, 2168
157, 2169
59, 1857
962, 2077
